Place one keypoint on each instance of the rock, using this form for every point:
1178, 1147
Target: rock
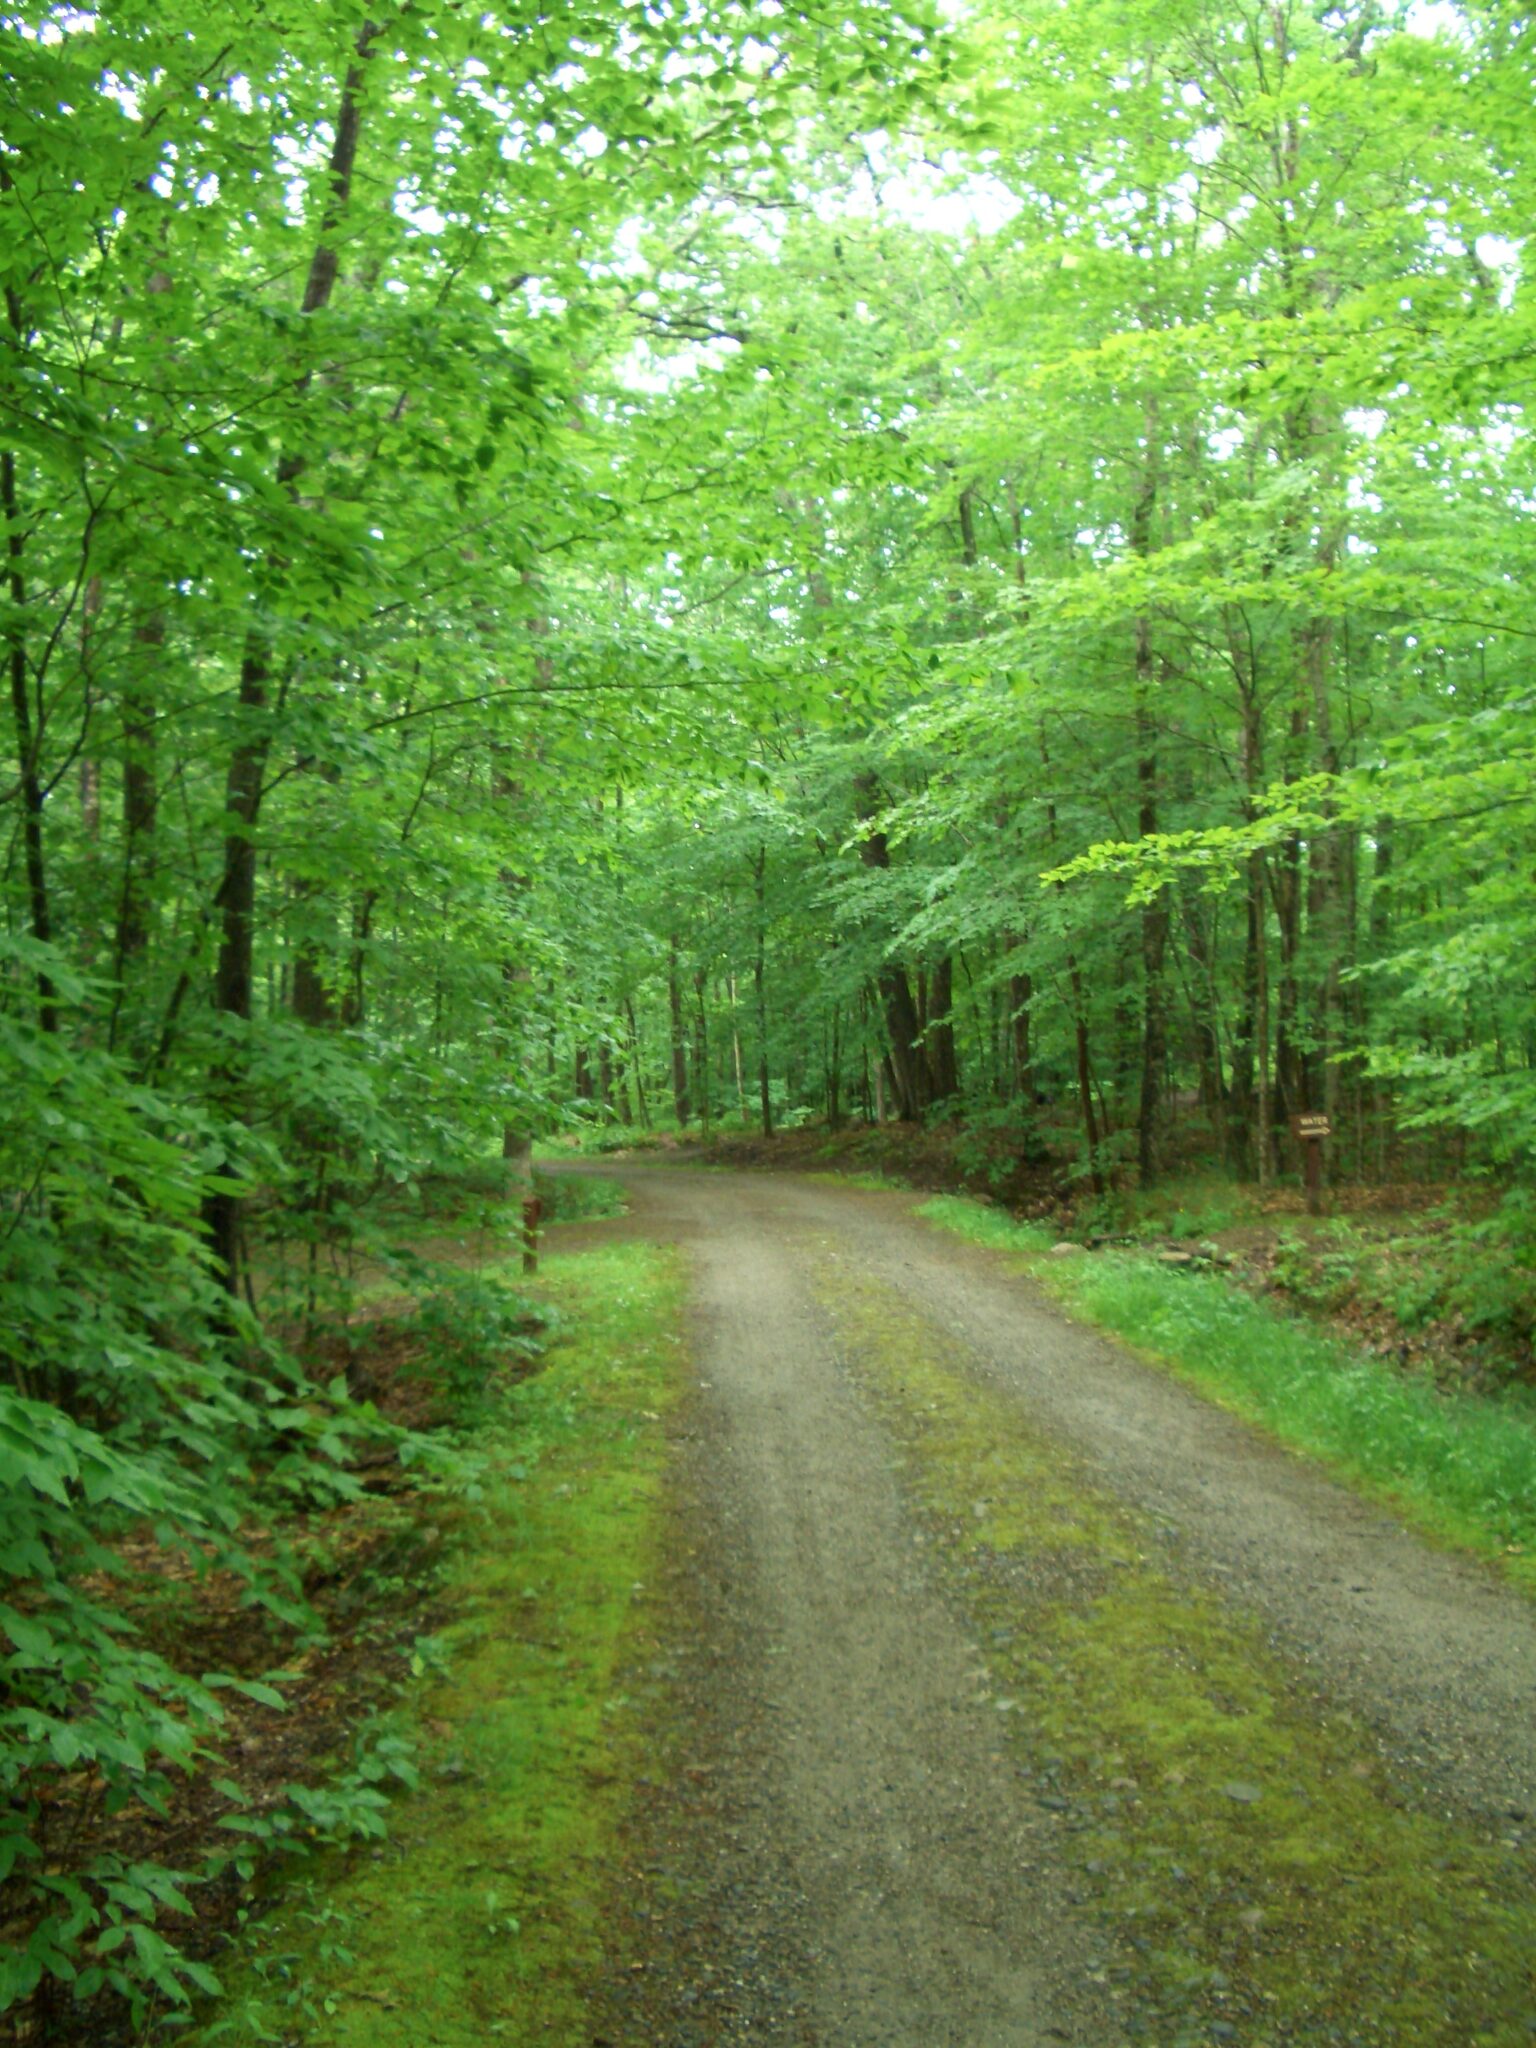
1244, 1794
1066, 1249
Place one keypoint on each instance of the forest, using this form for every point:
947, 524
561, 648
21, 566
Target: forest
674, 566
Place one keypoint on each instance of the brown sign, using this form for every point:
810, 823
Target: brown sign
1311, 1126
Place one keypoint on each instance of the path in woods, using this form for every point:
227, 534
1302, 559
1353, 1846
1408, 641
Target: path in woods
851, 1854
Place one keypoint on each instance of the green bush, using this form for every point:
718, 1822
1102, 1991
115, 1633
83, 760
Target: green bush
135, 1397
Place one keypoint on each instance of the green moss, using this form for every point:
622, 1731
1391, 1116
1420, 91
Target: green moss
1461, 1466
481, 1918
1245, 1852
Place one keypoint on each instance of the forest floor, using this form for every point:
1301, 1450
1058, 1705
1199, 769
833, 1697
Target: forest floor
1030, 1698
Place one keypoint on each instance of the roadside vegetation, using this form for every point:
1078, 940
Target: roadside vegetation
318, 1617
1460, 1464
479, 1916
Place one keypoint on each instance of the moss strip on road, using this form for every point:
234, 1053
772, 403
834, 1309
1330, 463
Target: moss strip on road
1255, 1872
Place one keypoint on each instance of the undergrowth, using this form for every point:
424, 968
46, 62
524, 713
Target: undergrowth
480, 1917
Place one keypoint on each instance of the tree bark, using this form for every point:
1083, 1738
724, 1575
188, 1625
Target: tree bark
236, 897
759, 989
636, 1066
903, 1026
943, 1063
680, 1102
140, 798
701, 1049
39, 909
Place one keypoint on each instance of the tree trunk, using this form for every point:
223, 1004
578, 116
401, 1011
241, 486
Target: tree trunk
736, 1061
680, 1102
1085, 1076
908, 1065
28, 738
1203, 1010
834, 1073
636, 1066
759, 987
1154, 943
701, 1050
140, 799
1154, 914
1265, 1135
236, 897
939, 1034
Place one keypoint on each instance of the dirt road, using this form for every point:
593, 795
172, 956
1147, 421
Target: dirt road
870, 1843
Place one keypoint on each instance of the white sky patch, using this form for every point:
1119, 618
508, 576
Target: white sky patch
678, 65
947, 197
1358, 498
1204, 145
422, 220
72, 21
118, 89
1367, 421
591, 142
1502, 256
540, 301
1500, 436
657, 372
626, 257
1436, 18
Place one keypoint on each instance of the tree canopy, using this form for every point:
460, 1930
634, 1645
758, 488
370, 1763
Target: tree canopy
661, 564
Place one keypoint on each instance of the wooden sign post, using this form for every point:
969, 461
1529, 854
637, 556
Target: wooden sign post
1310, 1131
533, 1216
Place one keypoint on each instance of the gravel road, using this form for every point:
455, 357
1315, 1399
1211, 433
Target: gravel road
848, 1858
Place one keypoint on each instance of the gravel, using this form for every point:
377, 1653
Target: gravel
846, 1857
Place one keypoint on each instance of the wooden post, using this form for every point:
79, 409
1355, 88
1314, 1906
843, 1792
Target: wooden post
1310, 1131
533, 1215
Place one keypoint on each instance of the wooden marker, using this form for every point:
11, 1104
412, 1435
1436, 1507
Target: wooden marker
1310, 1130
533, 1215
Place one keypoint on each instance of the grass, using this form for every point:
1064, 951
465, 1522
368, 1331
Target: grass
1247, 1862
481, 1918
1461, 1466
577, 1197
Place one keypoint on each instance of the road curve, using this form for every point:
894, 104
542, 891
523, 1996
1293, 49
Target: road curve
854, 1861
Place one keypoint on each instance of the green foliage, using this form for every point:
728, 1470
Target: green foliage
475, 1323
577, 1197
